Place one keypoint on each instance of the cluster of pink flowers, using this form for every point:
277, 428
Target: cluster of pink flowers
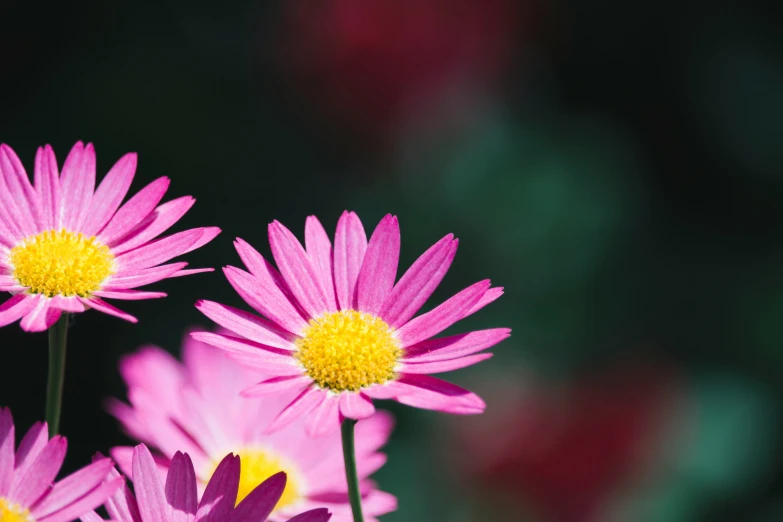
232, 425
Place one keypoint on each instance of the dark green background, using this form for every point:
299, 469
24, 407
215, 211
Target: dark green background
622, 180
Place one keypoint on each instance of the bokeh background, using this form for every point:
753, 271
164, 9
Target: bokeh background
617, 166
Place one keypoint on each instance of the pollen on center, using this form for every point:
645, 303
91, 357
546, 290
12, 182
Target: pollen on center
61, 263
348, 350
10, 512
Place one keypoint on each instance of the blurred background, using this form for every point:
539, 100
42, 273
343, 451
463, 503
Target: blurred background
617, 167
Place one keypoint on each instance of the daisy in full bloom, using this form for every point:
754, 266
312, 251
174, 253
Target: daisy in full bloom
339, 332
176, 499
28, 492
66, 245
196, 407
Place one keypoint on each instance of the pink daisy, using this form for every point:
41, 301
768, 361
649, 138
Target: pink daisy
65, 246
28, 492
339, 332
196, 407
177, 500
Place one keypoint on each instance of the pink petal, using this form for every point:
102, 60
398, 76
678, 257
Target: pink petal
260, 267
9, 284
350, 244
488, 297
319, 249
7, 441
325, 418
88, 502
441, 317
266, 298
77, 184
134, 211
443, 366
389, 390
32, 444
295, 265
136, 278
110, 194
19, 196
255, 354
220, 495
67, 304
47, 184
314, 515
261, 501
435, 394
300, 406
129, 295
90, 516
418, 283
454, 346
183, 273
17, 306
355, 405
276, 385
106, 308
163, 249
148, 487
41, 317
27, 488
122, 506
74, 486
379, 268
181, 492
247, 325
156, 223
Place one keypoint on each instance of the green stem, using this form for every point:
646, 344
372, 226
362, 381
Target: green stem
349, 454
58, 336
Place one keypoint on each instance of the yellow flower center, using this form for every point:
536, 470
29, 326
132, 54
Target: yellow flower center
256, 466
61, 263
348, 350
13, 512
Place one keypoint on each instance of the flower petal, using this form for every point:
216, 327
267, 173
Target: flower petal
220, 495
301, 405
88, 502
134, 211
319, 249
314, 515
454, 346
73, 487
295, 265
443, 366
156, 223
17, 306
250, 353
41, 317
350, 244
47, 184
77, 183
379, 268
136, 278
106, 308
488, 297
325, 418
122, 505
266, 298
435, 394
7, 441
32, 444
19, 196
129, 295
355, 405
181, 494
261, 501
110, 194
163, 249
441, 317
247, 325
276, 385
418, 282
149, 489
28, 487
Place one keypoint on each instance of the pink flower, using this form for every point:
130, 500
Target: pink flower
27, 491
65, 245
196, 407
339, 332
177, 501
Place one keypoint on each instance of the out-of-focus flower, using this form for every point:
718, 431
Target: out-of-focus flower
196, 407
370, 65
178, 501
565, 453
28, 492
65, 245
340, 333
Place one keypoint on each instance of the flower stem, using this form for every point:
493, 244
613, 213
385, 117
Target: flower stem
349, 454
58, 336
